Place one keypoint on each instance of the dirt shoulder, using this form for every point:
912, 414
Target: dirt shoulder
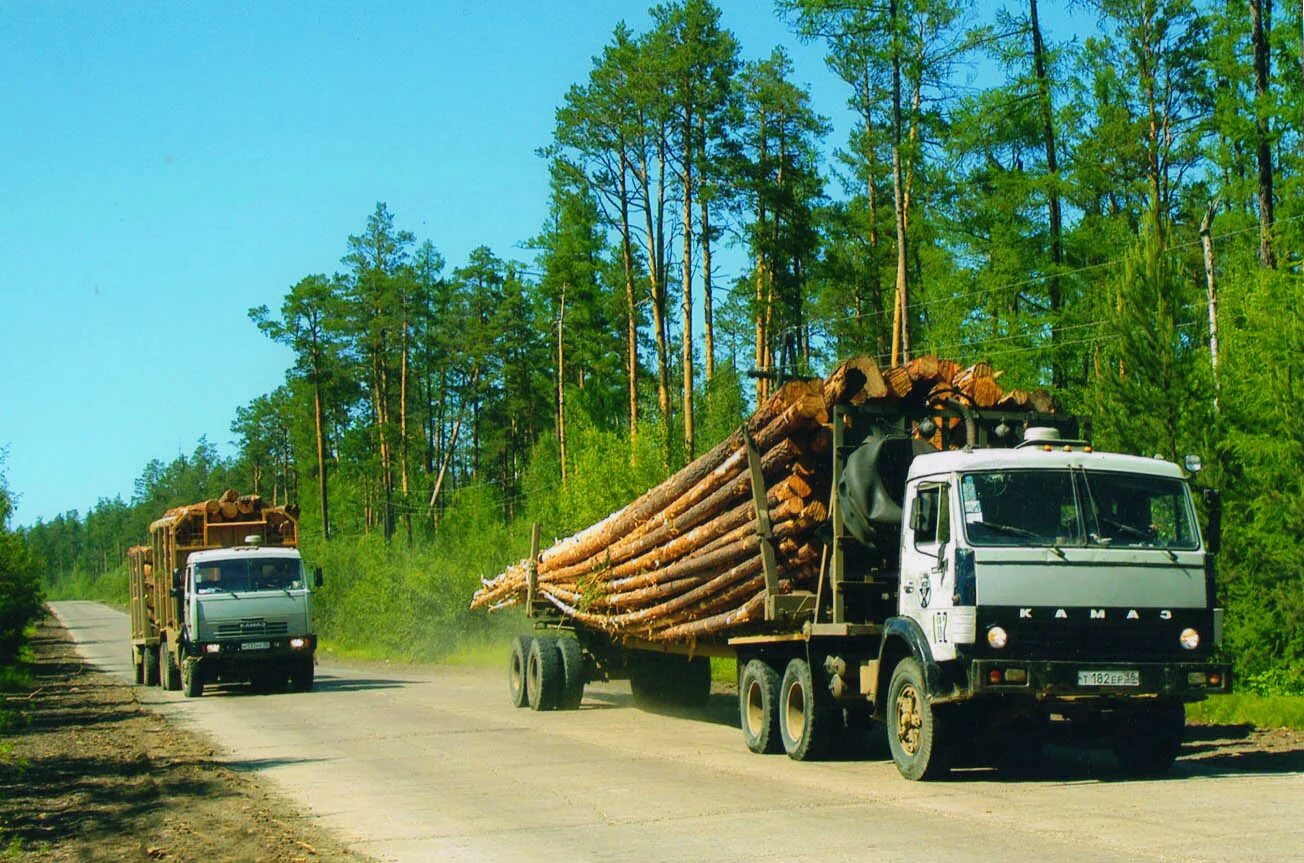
87, 774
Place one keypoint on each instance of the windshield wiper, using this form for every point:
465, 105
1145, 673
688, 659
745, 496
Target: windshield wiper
1015, 530
1007, 528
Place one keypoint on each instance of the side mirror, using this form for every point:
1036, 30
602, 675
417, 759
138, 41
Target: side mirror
176, 580
1213, 536
317, 577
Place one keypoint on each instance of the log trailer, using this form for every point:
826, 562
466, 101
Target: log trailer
966, 597
221, 594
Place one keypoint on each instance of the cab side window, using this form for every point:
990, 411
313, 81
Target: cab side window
931, 516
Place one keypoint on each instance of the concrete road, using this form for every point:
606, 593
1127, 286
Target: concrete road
433, 764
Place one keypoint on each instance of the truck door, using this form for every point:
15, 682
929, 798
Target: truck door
928, 565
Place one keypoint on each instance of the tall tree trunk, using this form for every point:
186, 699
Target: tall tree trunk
1057, 374
657, 294
1261, 27
900, 314
687, 305
708, 327
1211, 293
561, 382
762, 276
631, 307
321, 455
402, 426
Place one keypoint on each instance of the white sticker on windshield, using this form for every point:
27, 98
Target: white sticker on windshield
973, 508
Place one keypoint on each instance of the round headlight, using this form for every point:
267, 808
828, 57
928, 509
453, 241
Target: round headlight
997, 637
1190, 639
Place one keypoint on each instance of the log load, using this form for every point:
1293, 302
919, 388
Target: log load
227, 519
683, 560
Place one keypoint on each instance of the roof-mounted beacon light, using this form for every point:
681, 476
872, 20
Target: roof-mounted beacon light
254, 539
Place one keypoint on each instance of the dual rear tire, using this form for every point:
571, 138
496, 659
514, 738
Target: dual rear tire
546, 673
787, 713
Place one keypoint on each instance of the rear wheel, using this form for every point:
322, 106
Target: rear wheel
807, 724
169, 671
192, 679
572, 668
1146, 741
758, 707
914, 732
149, 665
517, 680
544, 674
138, 665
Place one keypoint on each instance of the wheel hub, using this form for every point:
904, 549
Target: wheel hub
909, 719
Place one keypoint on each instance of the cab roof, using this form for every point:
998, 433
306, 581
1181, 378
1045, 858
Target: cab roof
1036, 458
239, 551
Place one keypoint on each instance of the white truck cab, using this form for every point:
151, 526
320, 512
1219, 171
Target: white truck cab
248, 615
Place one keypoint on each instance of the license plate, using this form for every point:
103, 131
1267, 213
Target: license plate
1109, 678
256, 645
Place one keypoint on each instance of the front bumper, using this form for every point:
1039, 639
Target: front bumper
240, 651
1083, 679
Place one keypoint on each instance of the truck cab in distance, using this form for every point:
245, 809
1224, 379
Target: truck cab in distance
248, 616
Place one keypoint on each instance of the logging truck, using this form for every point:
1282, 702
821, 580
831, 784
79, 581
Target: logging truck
221, 595
983, 574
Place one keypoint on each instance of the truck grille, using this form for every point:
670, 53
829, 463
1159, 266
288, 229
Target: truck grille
1078, 637
252, 626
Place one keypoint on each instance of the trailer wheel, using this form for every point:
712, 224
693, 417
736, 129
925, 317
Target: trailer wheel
572, 667
169, 673
544, 674
301, 675
1147, 740
149, 665
138, 665
517, 680
807, 725
914, 732
192, 679
758, 707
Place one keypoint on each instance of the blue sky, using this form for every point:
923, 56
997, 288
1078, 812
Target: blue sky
166, 166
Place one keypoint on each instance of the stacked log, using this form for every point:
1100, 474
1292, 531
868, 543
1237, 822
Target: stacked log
683, 560
277, 523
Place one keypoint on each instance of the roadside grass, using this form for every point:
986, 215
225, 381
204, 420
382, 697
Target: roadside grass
109, 588
1261, 711
723, 670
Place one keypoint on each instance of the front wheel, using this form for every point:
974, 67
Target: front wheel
914, 733
301, 675
1147, 740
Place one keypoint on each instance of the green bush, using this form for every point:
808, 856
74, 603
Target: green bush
20, 585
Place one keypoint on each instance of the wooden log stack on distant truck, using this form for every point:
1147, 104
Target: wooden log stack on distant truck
221, 594
915, 544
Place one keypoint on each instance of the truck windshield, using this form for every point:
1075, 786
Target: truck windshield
249, 574
1064, 507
